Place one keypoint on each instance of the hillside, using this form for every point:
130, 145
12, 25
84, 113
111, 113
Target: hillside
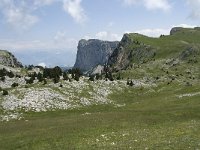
168, 58
8, 59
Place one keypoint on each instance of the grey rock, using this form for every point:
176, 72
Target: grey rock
99, 69
175, 30
8, 59
124, 55
93, 52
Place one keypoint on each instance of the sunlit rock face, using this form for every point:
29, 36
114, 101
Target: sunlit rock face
92, 53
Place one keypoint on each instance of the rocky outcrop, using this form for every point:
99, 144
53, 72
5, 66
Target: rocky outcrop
130, 51
92, 53
8, 59
175, 30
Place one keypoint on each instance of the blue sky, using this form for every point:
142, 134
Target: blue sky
48, 31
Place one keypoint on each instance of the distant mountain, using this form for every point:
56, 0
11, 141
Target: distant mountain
8, 59
92, 53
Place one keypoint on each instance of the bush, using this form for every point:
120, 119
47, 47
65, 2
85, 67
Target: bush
77, 76
56, 79
3, 79
65, 76
14, 85
5, 92
40, 77
45, 82
91, 78
98, 76
30, 81
10, 74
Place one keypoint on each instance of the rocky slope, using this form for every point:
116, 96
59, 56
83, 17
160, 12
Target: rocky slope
92, 53
8, 59
130, 50
181, 46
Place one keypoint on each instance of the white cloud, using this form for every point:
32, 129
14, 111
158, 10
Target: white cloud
20, 13
39, 3
42, 64
18, 16
185, 26
157, 4
74, 8
104, 35
195, 11
150, 4
60, 42
154, 32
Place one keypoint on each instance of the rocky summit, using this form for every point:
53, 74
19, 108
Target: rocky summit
92, 53
8, 59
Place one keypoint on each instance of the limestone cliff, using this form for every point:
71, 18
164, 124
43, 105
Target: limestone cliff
93, 52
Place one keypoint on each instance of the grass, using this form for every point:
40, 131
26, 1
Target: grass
152, 118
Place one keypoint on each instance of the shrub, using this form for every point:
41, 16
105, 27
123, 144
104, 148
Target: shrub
10, 74
3, 79
5, 92
40, 77
45, 82
14, 85
56, 79
91, 77
65, 76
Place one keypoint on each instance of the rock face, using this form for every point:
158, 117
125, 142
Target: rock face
130, 51
8, 59
175, 30
92, 53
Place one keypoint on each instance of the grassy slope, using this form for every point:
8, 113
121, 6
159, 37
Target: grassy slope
171, 45
167, 48
152, 118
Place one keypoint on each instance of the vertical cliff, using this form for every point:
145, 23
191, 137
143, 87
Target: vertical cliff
92, 53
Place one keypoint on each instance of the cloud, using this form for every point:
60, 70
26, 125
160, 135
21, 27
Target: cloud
157, 4
195, 11
39, 3
150, 4
18, 16
59, 42
185, 25
154, 32
62, 41
74, 8
104, 35
42, 64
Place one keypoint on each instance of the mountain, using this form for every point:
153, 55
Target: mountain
8, 59
175, 54
92, 53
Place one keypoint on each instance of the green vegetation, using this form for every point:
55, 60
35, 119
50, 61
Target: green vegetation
147, 118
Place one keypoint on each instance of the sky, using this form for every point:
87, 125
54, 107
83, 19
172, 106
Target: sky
47, 32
